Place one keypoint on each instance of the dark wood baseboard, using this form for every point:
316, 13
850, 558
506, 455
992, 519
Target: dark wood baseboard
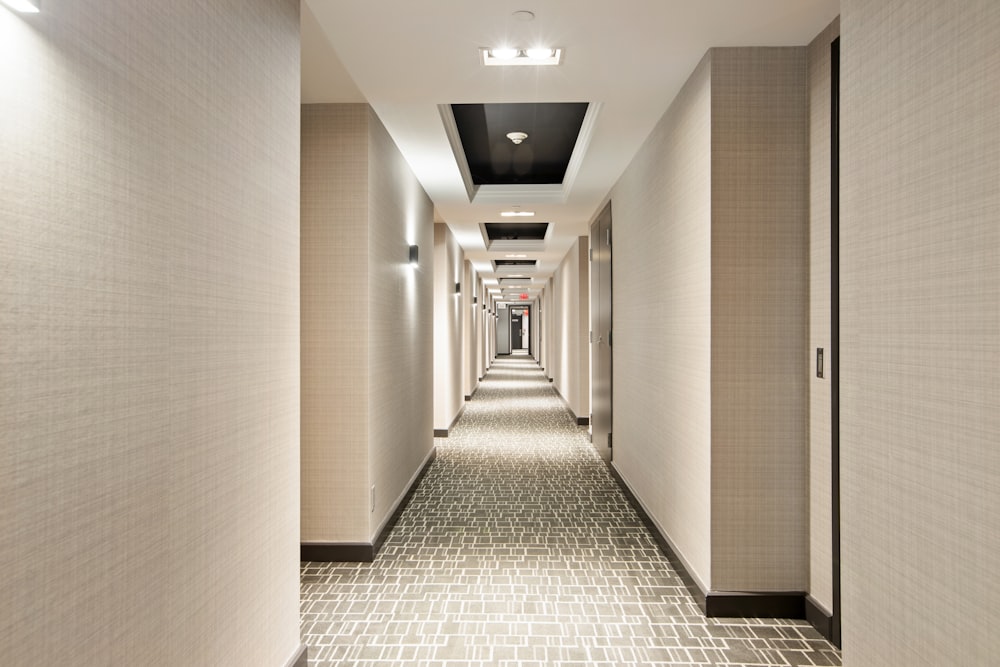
300, 659
724, 604
340, 552
661, 541
387, 528
443, 432
337, 552
819, 619
580, 421
717, 604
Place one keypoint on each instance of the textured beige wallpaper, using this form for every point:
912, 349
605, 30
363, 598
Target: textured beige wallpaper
711, 321
820, 498
470, 374
569, 329
149, 327
447, 260
336, 336
760, 296
366, 324
662, 306
920, 243
401, 404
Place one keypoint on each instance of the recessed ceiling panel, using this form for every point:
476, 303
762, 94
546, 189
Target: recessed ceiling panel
515, 263
516, 231
540, 158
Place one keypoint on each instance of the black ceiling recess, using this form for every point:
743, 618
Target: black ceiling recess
541, 159
516, 231
527, 263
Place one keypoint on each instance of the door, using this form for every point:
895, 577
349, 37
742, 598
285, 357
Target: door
601, 333
502, 330
515, 332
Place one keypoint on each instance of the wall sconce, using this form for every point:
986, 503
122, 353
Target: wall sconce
414, 255
24, 6
458, 288
475, 300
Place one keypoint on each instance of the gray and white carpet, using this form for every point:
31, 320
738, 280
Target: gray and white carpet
518, 549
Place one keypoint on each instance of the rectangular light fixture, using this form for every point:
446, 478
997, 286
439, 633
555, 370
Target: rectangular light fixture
414, 255
517, 214
24, 6
508, 56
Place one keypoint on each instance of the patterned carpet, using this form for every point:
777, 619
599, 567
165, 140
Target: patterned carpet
518, 549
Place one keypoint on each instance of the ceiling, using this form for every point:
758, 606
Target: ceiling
626, 59
540, 156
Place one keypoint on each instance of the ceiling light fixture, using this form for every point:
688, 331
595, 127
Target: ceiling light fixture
24, 6
517, 137
540, 53
519, 256
506, 55
517, 214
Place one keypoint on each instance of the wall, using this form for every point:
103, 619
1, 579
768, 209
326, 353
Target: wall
662, 364
920, 244
400, 409
545, 310
501, 326
470, 312
367, 379
448, 396
820, 490
709, 386
149, 313
335, 323
569, 335
760, 298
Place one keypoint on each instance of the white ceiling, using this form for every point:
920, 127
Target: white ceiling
631, 57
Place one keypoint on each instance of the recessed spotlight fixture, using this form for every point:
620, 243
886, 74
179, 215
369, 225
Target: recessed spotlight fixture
504, 53
517, 137
517, 214
524, 15
540, 53
24, 6
507, 55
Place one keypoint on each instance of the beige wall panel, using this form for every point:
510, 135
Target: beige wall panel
920, 239
760, 292
149, 319
470, 375
662, 299
400, 408
820, 499
447, 327
569, 335
335, 323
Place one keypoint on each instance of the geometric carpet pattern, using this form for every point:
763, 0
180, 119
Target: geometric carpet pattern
518, 549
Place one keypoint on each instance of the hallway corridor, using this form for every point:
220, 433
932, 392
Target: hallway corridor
519, 549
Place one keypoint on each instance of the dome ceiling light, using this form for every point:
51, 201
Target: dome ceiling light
517, 137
